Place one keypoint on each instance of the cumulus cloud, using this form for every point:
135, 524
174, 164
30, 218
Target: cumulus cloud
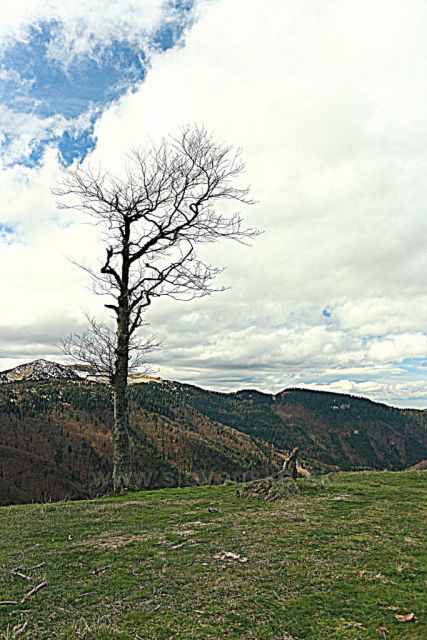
62, 62
22, 133
327, 100
82, 26
394, 393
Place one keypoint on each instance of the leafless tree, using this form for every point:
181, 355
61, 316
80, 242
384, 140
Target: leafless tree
95, 346
153, 217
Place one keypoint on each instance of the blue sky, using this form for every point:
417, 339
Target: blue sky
78, 90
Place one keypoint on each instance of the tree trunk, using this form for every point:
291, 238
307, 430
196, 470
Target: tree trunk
122, 464
279, 486
290, 465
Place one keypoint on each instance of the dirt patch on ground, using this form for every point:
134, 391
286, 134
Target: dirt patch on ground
109, 541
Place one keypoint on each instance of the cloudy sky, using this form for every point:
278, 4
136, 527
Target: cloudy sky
328, 100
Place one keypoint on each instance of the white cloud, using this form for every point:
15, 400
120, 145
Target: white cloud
327, 100
82, 28
398, 348
84, 25
395, 393
21, 133
28, 130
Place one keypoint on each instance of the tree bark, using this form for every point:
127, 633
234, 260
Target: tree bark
279, 486
122, 468
290, 465
122, 464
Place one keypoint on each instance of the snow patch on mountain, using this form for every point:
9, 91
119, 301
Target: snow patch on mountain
38, 370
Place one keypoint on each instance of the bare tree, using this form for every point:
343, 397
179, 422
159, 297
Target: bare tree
153, 217
95, 346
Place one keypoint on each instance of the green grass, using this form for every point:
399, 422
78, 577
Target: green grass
325, 565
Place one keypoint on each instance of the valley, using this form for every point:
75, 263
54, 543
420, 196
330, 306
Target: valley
56, 436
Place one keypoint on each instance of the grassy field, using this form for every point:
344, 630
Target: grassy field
337, 563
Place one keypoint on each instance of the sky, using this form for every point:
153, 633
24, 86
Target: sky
327, 100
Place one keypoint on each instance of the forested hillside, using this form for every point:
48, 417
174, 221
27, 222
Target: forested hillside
337, 429
56, 442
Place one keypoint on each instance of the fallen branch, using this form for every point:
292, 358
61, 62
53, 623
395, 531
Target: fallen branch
85, 595
37, 566
30, 594
19, 629
179, 545
27, 596
17, 572
100, 570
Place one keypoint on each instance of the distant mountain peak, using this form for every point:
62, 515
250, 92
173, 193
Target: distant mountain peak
41, 369
38, 370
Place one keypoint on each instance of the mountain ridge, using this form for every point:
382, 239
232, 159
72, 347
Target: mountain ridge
56, 435
79, 372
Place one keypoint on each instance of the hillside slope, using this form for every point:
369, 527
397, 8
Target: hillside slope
336, 429
337, 563
55, 437
56, 443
